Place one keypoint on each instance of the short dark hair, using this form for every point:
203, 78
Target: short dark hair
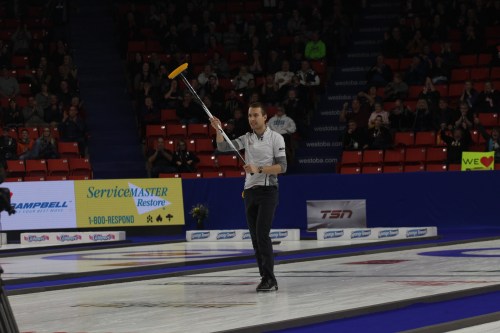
256, 105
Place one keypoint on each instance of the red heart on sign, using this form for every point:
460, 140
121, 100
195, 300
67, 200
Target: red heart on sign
486, 161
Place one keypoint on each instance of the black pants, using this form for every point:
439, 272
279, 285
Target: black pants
260, 205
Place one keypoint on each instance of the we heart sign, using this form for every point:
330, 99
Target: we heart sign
478, 161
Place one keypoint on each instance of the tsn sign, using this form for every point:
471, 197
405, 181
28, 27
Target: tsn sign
336, 214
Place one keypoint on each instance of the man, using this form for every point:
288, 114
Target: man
265, 159
160, 159
285, 126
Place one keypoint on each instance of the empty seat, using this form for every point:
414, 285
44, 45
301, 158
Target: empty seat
58, 167
436, 154
414, 168
78, 177
68, 149
169, 116
350, 170
197, 131
488, 119
176, 131
234, 173
480, 74
415, 155
16, 168
206, 163
213, 174
351, 157
404, 138
371, 169
191, 175
80, 167
34, 178
56, 177
455, 167
36, 168
373, 156
169, 175
436, 167
425, 138
227, 162
204, 146
394, 156
392, 168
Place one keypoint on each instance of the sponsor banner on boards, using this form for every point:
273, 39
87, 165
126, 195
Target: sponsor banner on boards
336, 214
239, 235
375, 233
67, 238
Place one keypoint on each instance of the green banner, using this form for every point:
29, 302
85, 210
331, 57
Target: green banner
478, 160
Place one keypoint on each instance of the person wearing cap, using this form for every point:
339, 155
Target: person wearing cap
265, 158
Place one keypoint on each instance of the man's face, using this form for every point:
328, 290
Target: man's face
160, 144
256, 119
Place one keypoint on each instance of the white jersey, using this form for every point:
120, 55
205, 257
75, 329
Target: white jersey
260, 151
282, 125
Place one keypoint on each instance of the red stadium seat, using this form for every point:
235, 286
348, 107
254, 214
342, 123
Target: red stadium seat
234, 173
168, 116
371, 169
392, 168
16, 168
404, 138
207, 163
373, 157
460, 74
197, 131
56, 177
425, 139
169, 175
351, 157
436, 167
488, 119
37, 168
58, 167
191, 175
480, 74
394, 156
213, 174
227, 162
80, 167
393, 63
68, 149
468, 60
414, 168
350, 170
176, 131
34, 178
484, 59
454, 167
78, 177
204, 146
415, 155
436, 154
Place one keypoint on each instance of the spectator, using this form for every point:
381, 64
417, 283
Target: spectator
13, 115
283, 78
33, 114
172, 98
443, 117
9, 87
378, 137
440, 71
241, 80
204, 76
315, 48
65, 94
184, 160
285, 126
354, 137
456, 144
255, 66
273, 62
150, 114
42, 98
214, 90
295, 23
241, 126
270, 91
379, 74
188, 111
54, 113
193, 40
378, 111
307, 75
8, 147
423, 116
72, 129
358, 113
233, 102
25, 146
21, 39
144, 76
370, 97
492, 140
160, 160
45, 146
214, 46
219, 65
396, 89
430, 94
231, 39
417, 72
469, 94
488, 100
296, 109
416, 45
393, 45
463, 117
401, 117
471, 42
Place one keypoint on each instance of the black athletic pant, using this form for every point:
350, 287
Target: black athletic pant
260, 205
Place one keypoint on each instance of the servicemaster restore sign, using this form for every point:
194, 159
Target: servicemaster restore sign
129, 202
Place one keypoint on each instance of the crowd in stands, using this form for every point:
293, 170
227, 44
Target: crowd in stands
438, 76
274, 52
40, 110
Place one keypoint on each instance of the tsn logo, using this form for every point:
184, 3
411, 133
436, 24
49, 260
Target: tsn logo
336, 214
